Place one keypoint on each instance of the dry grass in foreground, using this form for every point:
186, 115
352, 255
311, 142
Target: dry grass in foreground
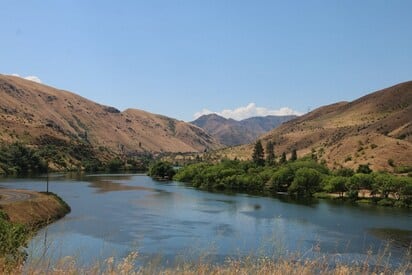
249, 265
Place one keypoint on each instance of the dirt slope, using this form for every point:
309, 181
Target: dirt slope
38, 114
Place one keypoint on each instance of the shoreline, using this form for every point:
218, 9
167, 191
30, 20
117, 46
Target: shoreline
32, 209
22, 214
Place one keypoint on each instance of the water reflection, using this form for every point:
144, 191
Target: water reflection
107, 185
113, 215
396, 237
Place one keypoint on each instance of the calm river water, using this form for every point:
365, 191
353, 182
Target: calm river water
113, 215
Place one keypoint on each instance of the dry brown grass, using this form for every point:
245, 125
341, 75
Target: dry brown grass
39, 209
372, 130
29, 110
249, 265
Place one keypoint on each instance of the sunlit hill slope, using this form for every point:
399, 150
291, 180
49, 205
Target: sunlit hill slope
37, 114
374, 129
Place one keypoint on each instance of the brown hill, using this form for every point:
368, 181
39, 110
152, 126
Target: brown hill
231, 132
38, 114
374, 129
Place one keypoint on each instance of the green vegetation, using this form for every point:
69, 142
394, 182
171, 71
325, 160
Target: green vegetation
258, 154
294, 155
270, 153
301, 178
20, 159
161, 170
305, 182
364, 169
13, 238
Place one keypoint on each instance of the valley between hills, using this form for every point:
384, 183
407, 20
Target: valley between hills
375, 129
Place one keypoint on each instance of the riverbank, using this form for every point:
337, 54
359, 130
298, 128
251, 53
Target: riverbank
22, 213
32, 209
303, 178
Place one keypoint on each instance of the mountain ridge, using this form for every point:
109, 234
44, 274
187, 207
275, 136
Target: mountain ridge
232, 132
32, 112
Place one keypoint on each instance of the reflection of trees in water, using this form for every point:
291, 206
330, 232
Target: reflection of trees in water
107, 183
396, 237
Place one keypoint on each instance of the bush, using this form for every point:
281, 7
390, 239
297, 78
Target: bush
352, 194
386, 202
403, 169
115, 165
281, 179
400, 204
336, 185
384, 184
344, 172
162, 170
13, 238
20, 159
306, 182
364, 169
361, 181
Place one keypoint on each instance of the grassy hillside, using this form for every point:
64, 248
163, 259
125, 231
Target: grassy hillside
38, 115
375, 129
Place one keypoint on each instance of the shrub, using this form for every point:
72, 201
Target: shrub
403, 169
344, 172
364, 169
348, 158
361, 181
162, 170
306, 182
20, 159
281, 179
386, 202
115, 165
400, 204
13, 238
336, 184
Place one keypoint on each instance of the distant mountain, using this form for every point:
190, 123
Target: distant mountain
36, 114
231, 132
374, 129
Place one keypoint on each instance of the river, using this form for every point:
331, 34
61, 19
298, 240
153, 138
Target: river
114, 215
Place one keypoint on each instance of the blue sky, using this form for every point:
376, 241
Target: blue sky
178, 58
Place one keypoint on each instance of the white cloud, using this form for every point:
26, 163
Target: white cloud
30, 77
251, 110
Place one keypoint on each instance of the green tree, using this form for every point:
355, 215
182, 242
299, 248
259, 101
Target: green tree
282, 158
258, 154
281, 179
294, 155
364, 169
162, 170
306, 182
17, 158
337, 184
114, 165
403, 189
384, 184
344, 172
270, 153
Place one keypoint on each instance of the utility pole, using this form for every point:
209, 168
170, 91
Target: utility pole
47, 178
